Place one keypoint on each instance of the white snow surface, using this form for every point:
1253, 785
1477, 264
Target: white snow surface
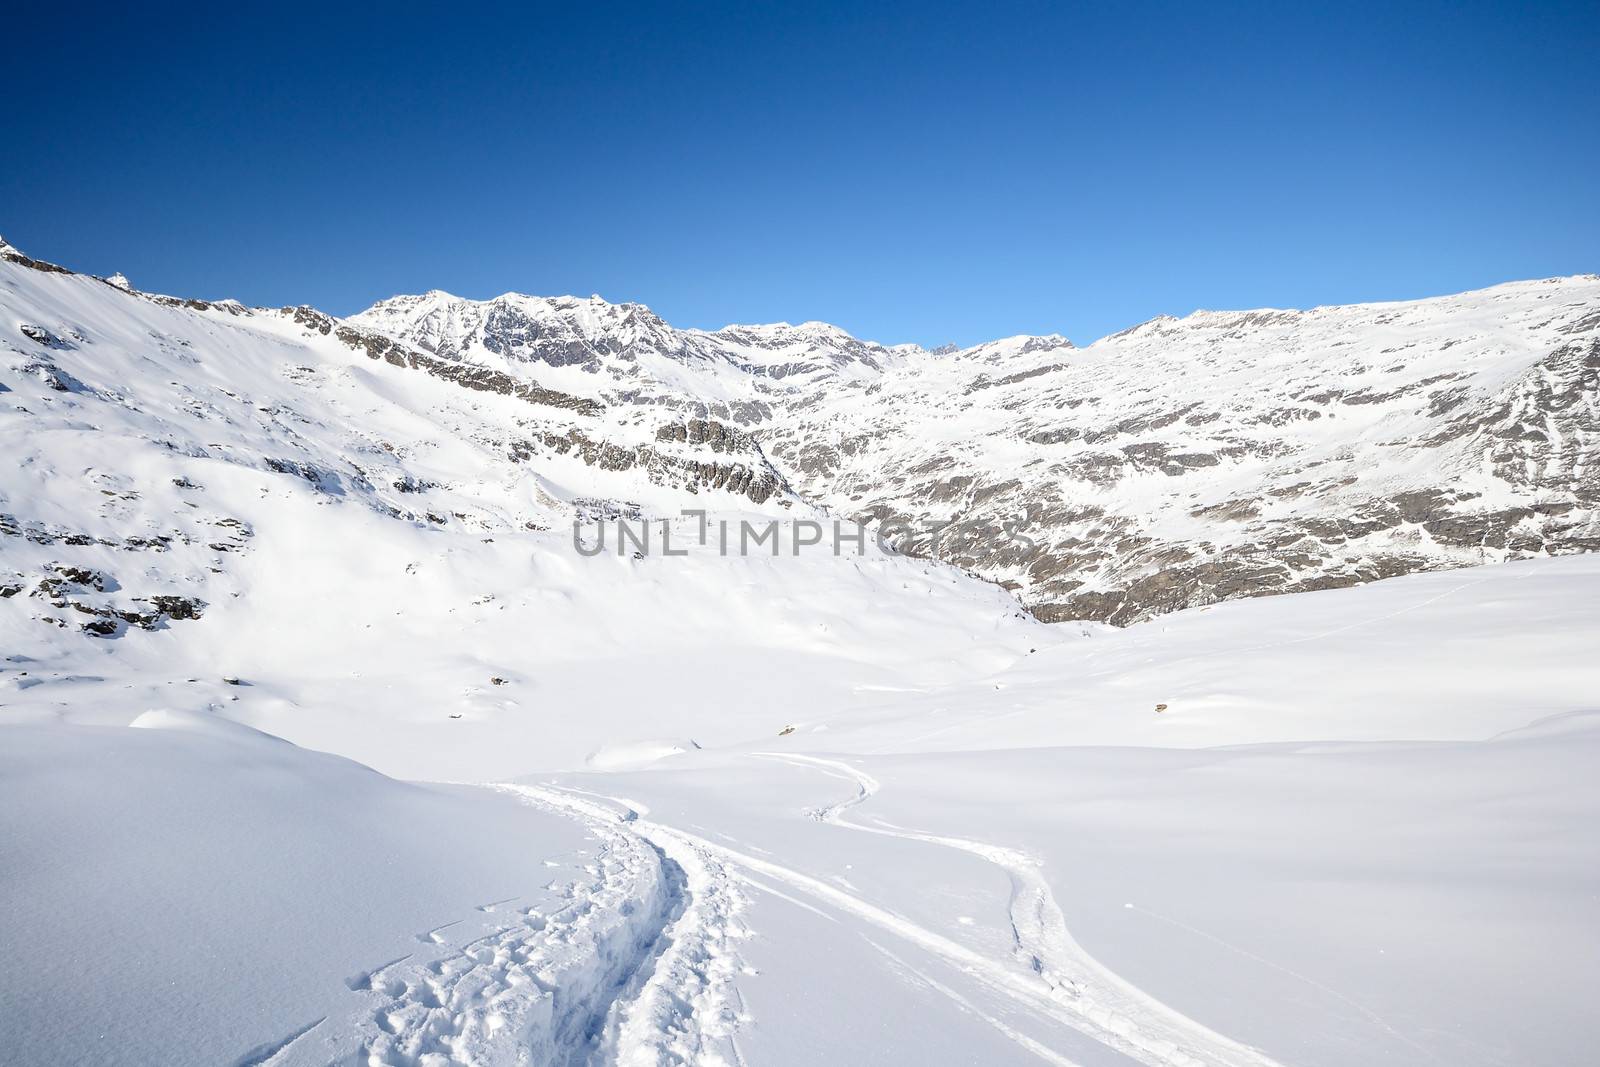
714, 809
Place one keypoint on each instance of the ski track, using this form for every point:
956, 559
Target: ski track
1039, 1049
1059, 976
634, 967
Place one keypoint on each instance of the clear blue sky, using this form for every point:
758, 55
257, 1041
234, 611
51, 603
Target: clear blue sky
914, 172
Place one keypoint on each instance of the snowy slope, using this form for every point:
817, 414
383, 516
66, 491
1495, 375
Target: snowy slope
772, 809
193, 892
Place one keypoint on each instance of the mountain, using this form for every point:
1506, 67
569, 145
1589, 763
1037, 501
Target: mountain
199, 490
1177, 463
836, 806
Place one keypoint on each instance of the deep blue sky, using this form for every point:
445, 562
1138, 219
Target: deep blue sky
911, 172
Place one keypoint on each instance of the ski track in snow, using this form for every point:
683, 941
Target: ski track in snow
1060, 976
635, 967
1039, 1049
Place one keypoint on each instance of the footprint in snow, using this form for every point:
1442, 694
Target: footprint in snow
493, 904
434, 936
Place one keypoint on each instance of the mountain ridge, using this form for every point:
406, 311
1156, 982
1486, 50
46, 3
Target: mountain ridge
824, 407
1173, 464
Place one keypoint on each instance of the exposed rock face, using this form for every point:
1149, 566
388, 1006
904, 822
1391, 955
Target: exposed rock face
758, 481
14, 255
82, 591
466, 375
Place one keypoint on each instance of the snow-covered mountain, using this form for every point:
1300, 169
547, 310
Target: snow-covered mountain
617, 341
265, 493
840, 807
1180, 462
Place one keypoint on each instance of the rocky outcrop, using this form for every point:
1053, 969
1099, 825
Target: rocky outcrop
468, 376
14, 255
82, 595
752, 478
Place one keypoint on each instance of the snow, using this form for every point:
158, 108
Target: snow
1328, 905
719, 809
192, 890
